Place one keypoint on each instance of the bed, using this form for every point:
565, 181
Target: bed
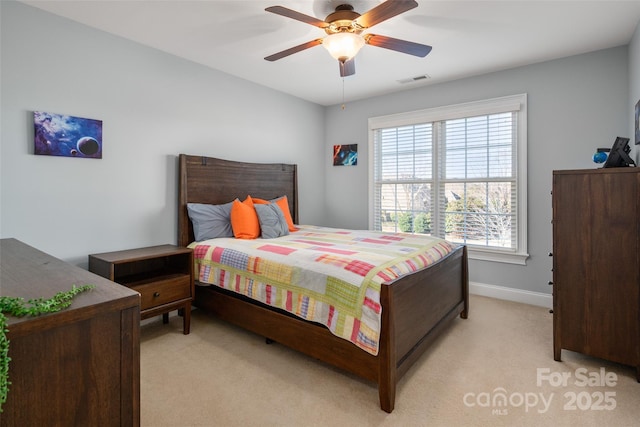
415, 308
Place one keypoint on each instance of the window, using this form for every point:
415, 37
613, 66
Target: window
456, 172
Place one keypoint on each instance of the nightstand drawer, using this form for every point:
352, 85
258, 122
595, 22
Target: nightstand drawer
163, 291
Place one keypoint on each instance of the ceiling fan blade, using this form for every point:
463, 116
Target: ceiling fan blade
398, 45
347, 68
281, 10
293, 50
384, 11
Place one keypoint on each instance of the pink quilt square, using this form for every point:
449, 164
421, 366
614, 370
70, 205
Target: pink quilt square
277, 249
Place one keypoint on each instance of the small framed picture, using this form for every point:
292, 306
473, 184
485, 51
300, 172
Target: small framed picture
637, 138
345, 155
67, 136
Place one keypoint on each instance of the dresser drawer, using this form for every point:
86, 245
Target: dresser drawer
165, 290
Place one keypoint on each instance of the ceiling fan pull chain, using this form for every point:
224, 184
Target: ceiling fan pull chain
343, 93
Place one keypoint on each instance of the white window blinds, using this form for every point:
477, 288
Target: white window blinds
458, 177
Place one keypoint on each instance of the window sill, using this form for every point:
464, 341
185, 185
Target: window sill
497, 256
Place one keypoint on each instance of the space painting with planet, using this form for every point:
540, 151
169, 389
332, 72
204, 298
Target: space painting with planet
68, 136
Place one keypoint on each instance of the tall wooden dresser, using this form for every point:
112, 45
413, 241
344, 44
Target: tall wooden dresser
79, 366
596, 264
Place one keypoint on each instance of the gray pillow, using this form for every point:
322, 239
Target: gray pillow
272, 221
210, 221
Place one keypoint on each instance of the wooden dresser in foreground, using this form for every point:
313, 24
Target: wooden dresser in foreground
596, 264
77, 367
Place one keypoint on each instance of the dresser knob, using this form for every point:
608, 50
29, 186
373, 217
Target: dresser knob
156, 294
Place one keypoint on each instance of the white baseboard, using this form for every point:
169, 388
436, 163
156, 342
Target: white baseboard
511, 294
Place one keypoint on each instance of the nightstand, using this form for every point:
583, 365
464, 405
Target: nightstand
163, 275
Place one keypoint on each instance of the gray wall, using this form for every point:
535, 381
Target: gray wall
575, 105
153, 106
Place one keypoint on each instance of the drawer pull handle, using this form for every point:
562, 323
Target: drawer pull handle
156, 294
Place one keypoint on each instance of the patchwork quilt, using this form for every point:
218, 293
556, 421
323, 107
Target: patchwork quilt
325, 275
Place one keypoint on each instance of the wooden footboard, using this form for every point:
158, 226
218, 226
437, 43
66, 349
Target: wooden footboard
415, 310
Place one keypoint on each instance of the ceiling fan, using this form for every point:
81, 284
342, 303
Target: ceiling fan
344, 29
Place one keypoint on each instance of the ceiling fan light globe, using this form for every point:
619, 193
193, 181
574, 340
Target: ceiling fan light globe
343, 46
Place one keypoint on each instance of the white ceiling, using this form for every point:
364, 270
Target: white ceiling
468, 38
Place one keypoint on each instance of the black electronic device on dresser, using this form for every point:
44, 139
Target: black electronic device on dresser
619, 154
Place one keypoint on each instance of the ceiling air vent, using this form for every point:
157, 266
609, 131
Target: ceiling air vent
415, 79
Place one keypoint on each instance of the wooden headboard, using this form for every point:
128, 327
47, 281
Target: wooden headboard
216, 181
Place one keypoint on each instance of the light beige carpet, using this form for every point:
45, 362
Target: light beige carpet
494, 369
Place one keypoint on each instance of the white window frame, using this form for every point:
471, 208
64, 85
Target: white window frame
458, 111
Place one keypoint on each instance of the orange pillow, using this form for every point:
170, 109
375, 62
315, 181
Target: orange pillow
283, 204
257, 201
244, 219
